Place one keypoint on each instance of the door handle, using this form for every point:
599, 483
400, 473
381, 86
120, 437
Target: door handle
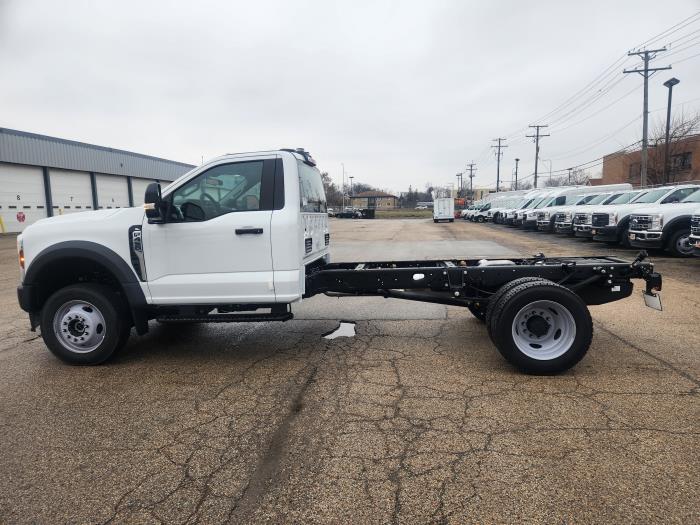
249, 231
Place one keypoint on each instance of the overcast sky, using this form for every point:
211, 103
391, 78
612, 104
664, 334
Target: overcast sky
402, 92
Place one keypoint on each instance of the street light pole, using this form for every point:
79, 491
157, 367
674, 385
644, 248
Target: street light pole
516, 173
667, 154
459, 189
352, 193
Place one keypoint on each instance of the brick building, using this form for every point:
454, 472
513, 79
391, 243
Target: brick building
377, 200
626, 167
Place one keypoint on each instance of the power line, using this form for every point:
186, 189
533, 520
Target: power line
673, 29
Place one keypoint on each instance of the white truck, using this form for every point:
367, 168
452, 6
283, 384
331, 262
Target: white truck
611, 224
665, 226
245, 236
582, 219
443, 209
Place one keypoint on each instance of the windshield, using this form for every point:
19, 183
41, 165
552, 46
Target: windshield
599, 198
311, 192
525, 203
544, 202
651, 196
624, 198
693, 197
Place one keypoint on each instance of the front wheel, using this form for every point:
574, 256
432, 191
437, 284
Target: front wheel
542, 328
679, 244
84, 324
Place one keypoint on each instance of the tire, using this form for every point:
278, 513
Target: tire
85, 324
435, 220
480, 219
542, 328
478, 311
679, 243
452, 220
496, 297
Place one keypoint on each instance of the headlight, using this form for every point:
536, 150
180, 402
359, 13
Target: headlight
531, 214
546, 215
567, 217
613, 219
657, 221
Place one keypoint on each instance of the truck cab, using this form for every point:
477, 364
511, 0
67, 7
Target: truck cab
240, 229
665, 226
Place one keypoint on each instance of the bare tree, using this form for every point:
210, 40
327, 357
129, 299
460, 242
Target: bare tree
577, 177
522, 185
682, 127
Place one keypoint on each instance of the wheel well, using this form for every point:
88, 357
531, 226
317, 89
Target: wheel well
673, 227
71, 270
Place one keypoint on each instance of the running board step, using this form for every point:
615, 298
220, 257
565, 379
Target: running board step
226, 318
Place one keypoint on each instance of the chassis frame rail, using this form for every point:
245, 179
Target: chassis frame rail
597, 280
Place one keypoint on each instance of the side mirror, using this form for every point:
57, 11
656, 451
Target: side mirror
153, 203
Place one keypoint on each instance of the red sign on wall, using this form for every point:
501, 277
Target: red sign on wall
21, 217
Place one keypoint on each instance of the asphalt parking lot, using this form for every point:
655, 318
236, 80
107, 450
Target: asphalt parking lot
415, 419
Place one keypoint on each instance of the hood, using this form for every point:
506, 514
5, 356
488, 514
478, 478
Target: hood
81, 223
620, 209
678, 208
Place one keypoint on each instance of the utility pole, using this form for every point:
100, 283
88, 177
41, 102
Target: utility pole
459, 190
472, 169
352, 193
498, 147
647, 55
570, 169
537, 137
516, 173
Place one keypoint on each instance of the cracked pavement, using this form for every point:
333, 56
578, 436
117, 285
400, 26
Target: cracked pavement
415, 419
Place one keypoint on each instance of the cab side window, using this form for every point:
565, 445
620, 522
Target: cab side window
678, 195
228, 188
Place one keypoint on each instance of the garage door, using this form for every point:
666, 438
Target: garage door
22, 198
138, 186
71, 191
112, 191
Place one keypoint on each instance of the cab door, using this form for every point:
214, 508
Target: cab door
215, 246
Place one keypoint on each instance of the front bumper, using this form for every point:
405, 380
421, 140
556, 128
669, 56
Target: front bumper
583, 230
604, 233
646, 239
529, 224
544, 225
563, 227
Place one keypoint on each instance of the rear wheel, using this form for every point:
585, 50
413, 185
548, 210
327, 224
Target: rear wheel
496, 298
84, 324
679, 244
542, 328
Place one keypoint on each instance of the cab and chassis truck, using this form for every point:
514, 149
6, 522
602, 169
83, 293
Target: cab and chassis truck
245, 236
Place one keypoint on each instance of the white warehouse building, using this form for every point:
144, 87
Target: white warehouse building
42, 176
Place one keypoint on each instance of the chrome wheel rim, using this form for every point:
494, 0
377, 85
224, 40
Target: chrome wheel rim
79, 326
683, 245
543, 330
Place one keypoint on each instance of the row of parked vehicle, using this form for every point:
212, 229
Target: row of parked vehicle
666, 217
